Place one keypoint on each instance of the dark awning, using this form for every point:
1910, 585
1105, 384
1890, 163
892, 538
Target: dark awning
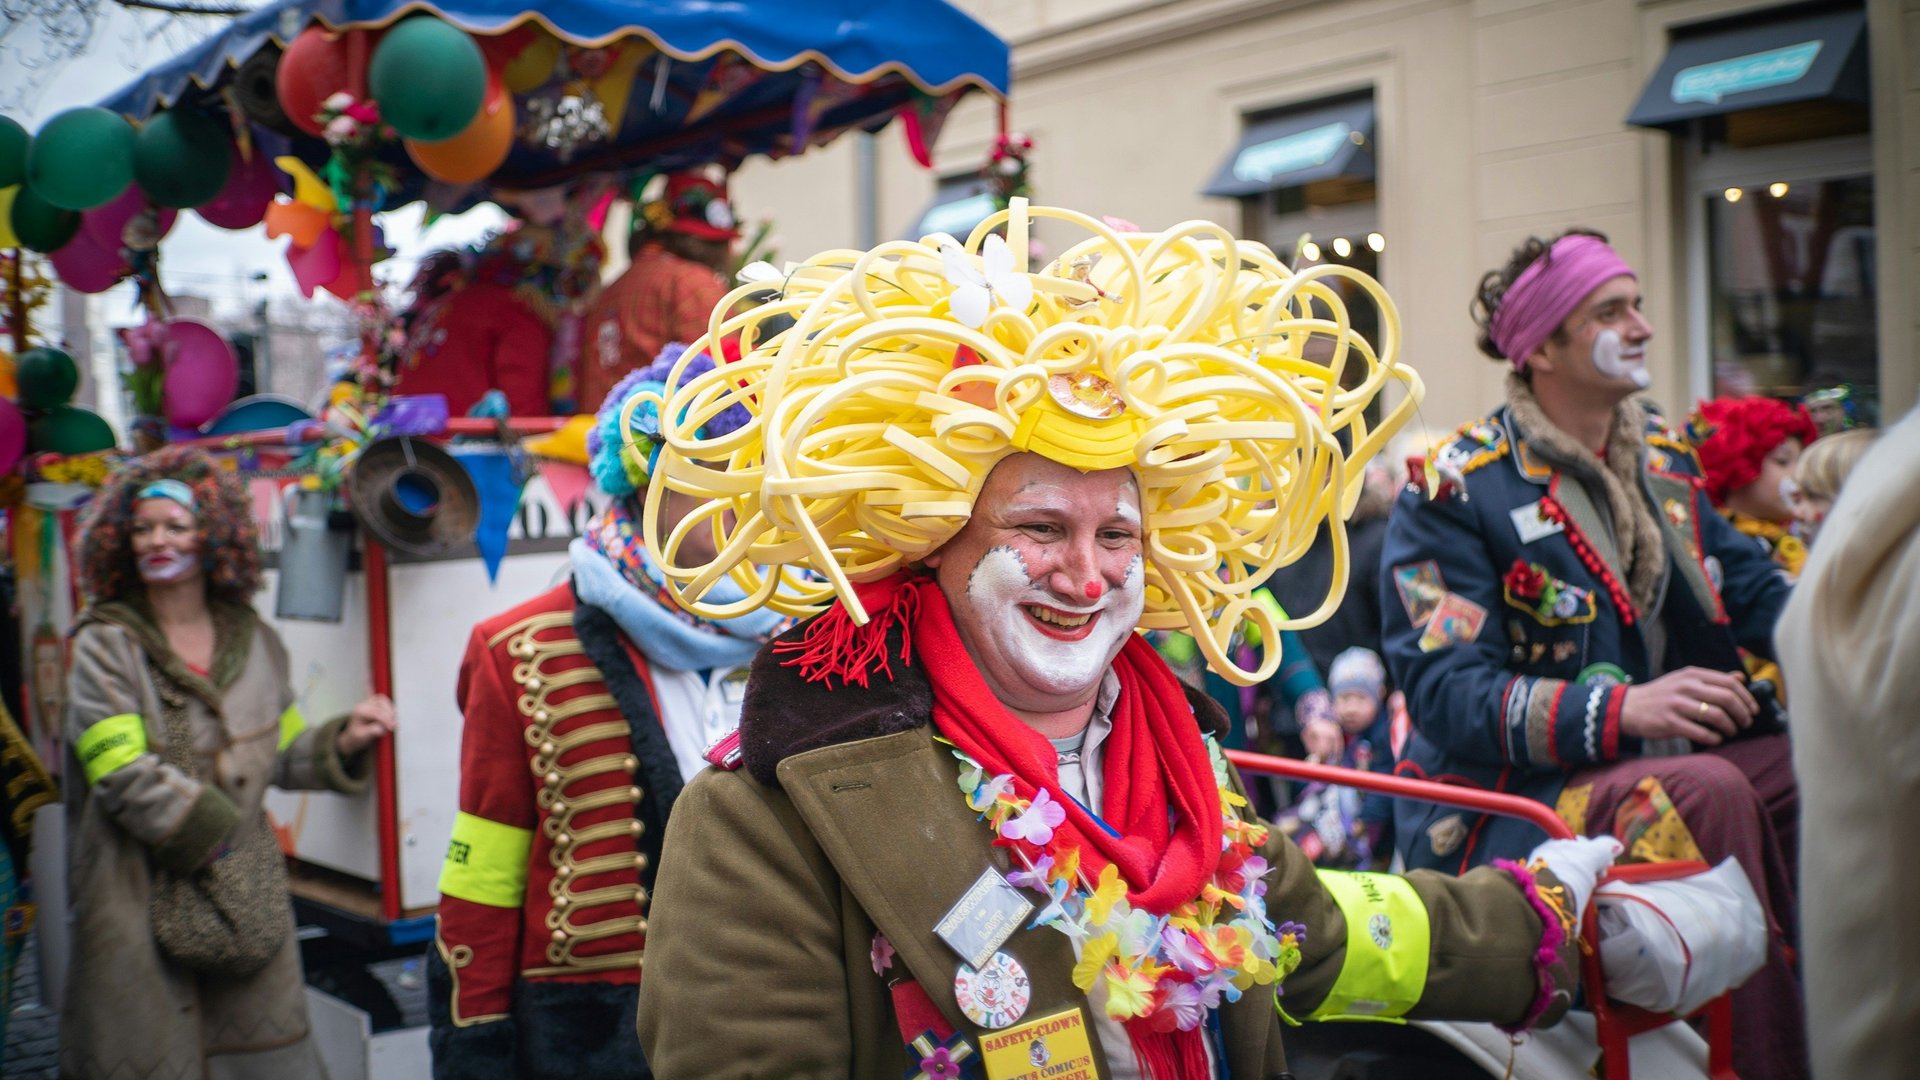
1316, 142
1810, 58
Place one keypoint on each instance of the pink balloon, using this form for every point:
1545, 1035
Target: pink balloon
251, 185
313, 267
202, 373
107, 225
85, 266
13, 435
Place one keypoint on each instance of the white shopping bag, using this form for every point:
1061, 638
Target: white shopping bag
1672, 946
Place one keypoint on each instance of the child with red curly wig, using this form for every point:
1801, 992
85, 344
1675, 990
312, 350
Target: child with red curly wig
1748, 447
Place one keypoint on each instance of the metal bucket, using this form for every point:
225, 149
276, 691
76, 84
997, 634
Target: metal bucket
313, 559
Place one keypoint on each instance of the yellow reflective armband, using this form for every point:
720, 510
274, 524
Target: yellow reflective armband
111, 744
486, 862
291, 725
1388, 938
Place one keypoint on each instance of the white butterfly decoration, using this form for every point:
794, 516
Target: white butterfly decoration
974, 292
758, 272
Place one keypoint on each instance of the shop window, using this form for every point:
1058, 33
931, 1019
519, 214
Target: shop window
1793, 296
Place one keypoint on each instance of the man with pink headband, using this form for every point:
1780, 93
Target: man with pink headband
1565, 610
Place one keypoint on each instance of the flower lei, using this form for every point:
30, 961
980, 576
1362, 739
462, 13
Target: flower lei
1168, 971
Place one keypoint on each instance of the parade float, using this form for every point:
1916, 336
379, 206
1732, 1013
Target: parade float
391, 527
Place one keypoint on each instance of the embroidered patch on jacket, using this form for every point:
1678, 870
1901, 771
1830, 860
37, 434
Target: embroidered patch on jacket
1455, 620
1604, 674
1446, 835
1530, 524
1550, 601
1421, 589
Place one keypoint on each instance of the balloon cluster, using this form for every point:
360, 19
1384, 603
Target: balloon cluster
429, 81
97, 196
43, 418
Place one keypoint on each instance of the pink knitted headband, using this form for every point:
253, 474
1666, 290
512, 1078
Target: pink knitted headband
1544, 294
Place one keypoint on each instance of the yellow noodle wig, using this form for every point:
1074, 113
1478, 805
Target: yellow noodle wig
907, 372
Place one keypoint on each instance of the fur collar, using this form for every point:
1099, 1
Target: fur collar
1636, 531
785, 715
233, 629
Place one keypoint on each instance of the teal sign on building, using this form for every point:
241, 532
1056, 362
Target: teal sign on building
1263, 161
1740, 74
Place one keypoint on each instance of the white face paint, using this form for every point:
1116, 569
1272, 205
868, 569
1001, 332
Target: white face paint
162, 567
1054, 659
1615, 361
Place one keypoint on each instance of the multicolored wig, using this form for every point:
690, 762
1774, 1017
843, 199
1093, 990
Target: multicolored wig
1198, 361
230, 550
1733, 437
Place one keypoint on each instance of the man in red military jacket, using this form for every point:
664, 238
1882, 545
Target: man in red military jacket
586, 709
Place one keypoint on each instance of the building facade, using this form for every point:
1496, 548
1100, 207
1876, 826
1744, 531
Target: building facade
1767, 186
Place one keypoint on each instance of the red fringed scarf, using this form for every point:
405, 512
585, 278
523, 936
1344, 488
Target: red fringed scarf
1154, 761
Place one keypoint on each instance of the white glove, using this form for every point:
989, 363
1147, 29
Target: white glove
1578, 863
1672, 946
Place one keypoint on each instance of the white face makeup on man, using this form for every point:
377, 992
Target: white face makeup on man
1602, 347
166, 542
1046, 580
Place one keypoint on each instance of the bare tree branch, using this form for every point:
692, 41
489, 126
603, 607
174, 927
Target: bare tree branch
172, 7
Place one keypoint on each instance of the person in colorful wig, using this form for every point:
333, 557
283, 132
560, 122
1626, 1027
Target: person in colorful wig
587, 708
1748, 447
179, 715
1566, 612
679, 247
971, 823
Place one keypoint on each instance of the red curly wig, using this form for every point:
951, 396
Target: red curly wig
230, 547
1734, 436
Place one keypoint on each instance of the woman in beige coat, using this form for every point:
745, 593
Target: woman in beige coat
169, 560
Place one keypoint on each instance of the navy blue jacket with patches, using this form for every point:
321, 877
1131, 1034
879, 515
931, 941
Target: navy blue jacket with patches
1513, 692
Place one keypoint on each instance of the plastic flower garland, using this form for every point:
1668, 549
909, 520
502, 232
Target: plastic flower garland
1197, 360
1166, 970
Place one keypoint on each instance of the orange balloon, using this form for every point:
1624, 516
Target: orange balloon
478, 149
298, 220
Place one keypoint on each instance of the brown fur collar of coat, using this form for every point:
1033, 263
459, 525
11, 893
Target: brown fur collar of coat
1636, 531
784, 714
233, 630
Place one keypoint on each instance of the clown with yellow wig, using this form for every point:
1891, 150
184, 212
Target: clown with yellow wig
971, 824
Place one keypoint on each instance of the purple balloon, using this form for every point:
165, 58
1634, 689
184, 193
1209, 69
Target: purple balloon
107, 225
202, 373
85, 266
251, 185
13, 435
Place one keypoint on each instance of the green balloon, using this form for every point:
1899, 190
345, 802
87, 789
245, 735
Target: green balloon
40, 225
181, 158
14, 141
429, 78
47, 378
68, 430
81, 159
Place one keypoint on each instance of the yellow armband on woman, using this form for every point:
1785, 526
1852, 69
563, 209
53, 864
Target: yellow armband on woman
111, 744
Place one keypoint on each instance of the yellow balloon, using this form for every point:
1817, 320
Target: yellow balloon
533, 67
307, 188
8, 387
7, 239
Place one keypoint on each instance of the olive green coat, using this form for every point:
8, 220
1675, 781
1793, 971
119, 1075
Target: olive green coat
768, 897
128, 1011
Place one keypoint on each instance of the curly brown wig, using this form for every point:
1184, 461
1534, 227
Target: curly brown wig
231, 545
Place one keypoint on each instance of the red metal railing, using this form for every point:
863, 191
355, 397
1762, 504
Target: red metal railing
1615, 1023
